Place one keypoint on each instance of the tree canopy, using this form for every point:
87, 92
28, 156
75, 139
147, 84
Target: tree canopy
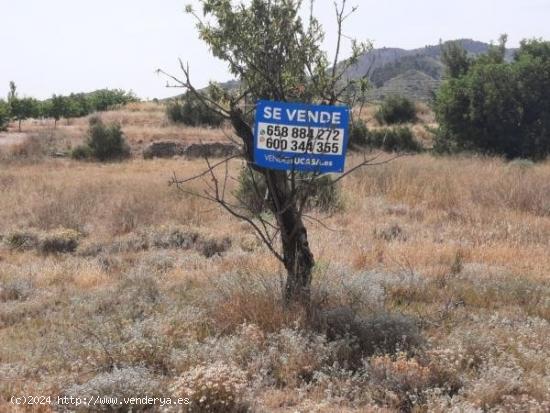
498, 107
275, 55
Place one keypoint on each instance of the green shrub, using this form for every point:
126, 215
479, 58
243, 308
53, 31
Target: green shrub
383, 333
60, 241
396, 110
399, 139
81, 152
104, 142
192, 112
358, 134
4, 115
323, 194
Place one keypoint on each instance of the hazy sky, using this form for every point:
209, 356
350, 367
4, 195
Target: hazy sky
63, 46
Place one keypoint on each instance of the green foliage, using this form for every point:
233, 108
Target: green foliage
5, 115
80, 104
396, 109
189, 110
455, 58
397, 139
358, 134
497, 107
104, 142
235, 37
270, 49
81, 153
23, 108
73, 106
57, 107
321, 191
105, 99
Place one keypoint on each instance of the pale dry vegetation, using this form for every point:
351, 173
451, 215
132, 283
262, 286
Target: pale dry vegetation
142, 123
432, 288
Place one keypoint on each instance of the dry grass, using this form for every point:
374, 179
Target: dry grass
458, 245
142, 124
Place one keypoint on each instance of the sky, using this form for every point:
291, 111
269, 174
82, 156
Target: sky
64, 46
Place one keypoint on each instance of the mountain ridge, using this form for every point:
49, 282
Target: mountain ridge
415, 74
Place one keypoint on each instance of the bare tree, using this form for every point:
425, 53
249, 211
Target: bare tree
276, 56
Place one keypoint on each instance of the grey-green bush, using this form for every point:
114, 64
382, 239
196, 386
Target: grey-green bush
323, 193
396, 109
397, 139
358, 134
104, 142
192, 112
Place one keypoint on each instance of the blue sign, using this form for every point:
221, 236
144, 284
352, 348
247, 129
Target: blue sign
301, 137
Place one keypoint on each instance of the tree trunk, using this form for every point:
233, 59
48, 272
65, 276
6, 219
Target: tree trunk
19, 125
298, 258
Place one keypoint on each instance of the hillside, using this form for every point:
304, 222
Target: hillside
415, 73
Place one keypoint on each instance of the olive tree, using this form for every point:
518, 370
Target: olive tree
57, 108
24, 108
276, 55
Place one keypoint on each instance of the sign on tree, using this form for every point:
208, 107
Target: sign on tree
301, 137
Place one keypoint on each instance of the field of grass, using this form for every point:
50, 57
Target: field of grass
113, 283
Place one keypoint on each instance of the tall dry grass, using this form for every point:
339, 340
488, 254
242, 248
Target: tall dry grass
165, 292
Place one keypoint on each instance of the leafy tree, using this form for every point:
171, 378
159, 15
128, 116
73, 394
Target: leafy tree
5, 115
81, 105
24, 108
44, 108
71, 108
496, 53
105, 99
276, 55
57, 108
498, 107
455, 58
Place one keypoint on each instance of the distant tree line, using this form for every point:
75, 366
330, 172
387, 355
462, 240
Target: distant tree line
58, 106
496, 107
189, 110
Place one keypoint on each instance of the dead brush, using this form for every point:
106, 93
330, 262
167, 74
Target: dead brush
214, 388
113, 387
30, 149
400, 382
59, 241
239, 298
